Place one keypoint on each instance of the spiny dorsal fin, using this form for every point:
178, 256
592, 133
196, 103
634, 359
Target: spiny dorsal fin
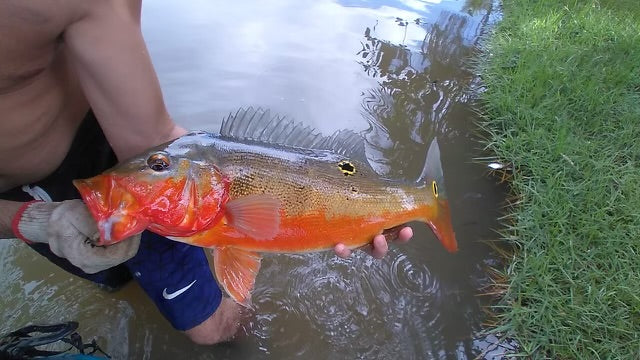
260, 126
347, 143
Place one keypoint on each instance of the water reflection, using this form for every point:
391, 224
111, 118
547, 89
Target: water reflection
418, 85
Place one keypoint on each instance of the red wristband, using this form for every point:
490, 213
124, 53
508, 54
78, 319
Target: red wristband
16, 220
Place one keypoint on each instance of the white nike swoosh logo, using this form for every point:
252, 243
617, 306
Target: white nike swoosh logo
172, 295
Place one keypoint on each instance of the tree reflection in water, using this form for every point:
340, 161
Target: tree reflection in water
420, 89
417, 87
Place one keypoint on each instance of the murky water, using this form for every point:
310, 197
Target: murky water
396, 71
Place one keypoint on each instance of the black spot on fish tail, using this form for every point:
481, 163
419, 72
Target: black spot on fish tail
346, 167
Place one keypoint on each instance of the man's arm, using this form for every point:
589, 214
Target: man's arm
108, 53
8, 210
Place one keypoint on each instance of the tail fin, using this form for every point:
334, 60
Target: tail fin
432, 178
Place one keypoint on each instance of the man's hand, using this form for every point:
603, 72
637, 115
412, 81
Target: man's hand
379, 247
69, 229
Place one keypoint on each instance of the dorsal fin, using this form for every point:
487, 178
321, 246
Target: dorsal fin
347, 143
260, 126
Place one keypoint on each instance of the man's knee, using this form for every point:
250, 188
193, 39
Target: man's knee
221, 326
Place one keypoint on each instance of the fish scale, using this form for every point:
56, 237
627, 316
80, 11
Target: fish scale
311, 185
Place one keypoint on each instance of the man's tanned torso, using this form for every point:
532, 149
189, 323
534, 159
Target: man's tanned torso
57, 60
41, 103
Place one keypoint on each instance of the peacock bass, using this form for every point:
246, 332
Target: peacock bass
264, 184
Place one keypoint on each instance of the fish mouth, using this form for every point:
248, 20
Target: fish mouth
443, 229
114, 209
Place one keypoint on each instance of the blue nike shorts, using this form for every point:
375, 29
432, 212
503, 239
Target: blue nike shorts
176, 276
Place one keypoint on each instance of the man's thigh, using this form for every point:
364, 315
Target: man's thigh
178, 279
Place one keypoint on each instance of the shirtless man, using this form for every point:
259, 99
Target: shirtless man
77, 92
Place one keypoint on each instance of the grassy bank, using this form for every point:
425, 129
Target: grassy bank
563, 106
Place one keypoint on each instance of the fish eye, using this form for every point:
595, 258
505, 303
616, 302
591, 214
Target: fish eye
434, 188
158, 162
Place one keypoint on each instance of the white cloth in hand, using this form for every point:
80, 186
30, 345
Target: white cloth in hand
69, 229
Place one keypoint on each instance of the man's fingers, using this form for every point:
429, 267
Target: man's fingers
404, 235
379, 247
77, 215
342, 251
124, 249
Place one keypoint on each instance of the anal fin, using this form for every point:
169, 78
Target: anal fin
236, 270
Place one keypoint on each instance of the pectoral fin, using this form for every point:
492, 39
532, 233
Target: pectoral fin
236, 270
257, 216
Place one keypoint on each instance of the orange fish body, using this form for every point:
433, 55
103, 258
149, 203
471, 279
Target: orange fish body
263, 185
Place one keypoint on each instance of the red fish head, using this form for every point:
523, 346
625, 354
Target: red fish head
115, 209
170, 195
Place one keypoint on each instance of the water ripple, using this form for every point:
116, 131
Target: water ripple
361, 306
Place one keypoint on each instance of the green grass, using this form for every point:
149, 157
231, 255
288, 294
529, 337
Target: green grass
562, 104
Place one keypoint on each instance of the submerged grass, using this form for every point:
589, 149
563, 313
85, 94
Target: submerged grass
562, 105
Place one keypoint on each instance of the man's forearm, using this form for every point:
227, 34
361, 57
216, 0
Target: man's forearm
8, 210
108, 53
